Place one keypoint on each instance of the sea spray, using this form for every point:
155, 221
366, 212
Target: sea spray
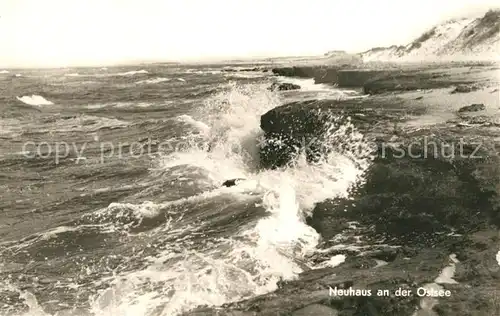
274, 247
212, 247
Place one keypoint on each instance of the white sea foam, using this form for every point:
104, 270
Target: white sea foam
104, 73
119, 105
153, 81
332, 262
131, 73
306, 84
248, 75
202, 127
445, 277
4, 72
72, 75
318, 91
498, 257
185, 273
203, 72
34, 99
97, 106
132, 104
266, 251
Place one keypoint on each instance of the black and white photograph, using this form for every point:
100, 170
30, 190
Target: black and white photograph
249, 158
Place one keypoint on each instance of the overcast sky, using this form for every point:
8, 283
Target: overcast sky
83, 32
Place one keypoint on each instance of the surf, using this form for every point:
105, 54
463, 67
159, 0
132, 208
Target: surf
265, 250
205, 243
35, 100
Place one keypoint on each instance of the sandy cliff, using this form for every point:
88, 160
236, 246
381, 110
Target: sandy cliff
458, 39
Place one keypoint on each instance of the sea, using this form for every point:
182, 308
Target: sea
111, 196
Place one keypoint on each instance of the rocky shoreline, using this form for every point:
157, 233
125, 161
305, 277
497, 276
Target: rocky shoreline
376, 78
428, 223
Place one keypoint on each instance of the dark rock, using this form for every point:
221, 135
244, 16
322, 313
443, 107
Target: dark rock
357, 77
473, 108
315, 310
362, 262
301, 72
413, 190
283, 86
411, 199
288, 129
386, 254
250, 69
410, 80
231, 182
327, 75
339, 74
464, 89
320, 74
302, 127
479, 120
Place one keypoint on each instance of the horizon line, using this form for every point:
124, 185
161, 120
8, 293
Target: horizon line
214, 59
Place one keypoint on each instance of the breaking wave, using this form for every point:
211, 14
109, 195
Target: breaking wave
153, 81
214, 245
35, 100
131, 73
260, 253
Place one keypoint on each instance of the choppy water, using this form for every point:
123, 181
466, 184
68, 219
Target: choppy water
111, 197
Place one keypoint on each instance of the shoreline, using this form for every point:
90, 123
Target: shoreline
399, 230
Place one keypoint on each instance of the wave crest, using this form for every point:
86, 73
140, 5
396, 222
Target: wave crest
131, 73
153, 81
34, 99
